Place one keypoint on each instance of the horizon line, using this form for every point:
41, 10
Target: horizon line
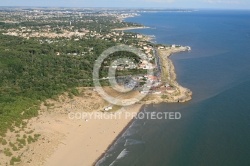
161, 8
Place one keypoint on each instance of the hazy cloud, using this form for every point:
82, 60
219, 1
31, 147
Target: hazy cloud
161, 1
223, 1
223, 4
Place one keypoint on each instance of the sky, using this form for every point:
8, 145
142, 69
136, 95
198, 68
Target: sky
215, 4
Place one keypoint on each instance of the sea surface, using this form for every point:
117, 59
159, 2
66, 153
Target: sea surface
215, 126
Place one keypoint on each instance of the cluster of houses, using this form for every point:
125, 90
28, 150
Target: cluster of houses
121, 64
46, 33
62, 19
146, 65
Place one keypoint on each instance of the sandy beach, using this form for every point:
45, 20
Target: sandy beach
70, 139
85, 141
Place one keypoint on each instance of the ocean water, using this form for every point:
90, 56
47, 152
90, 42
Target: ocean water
215, 126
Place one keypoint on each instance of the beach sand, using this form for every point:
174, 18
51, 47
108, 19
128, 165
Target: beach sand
86, 141
80, 141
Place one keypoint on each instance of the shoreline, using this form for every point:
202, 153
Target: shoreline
185, 93
130, 28
116, 139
